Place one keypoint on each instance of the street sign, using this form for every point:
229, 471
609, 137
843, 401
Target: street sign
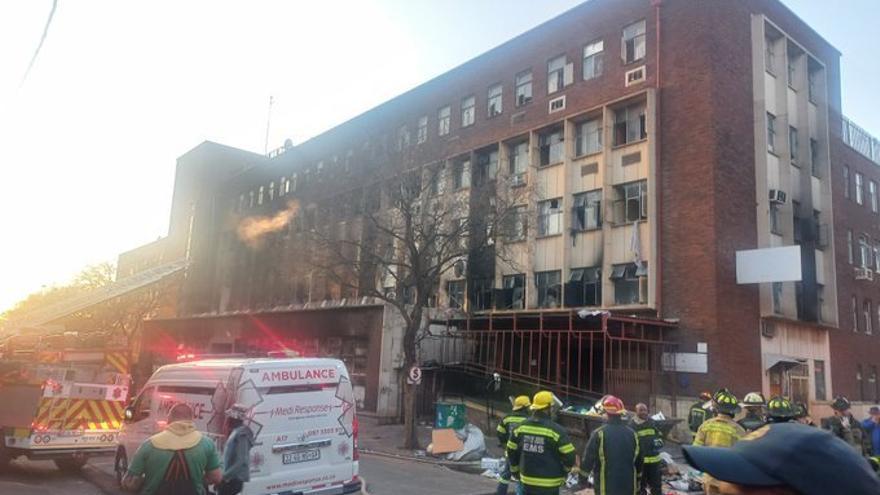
415, 376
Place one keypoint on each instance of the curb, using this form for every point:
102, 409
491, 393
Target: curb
364, 490
102, 480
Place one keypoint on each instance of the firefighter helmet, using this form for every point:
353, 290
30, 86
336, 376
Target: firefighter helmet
705, 396
612, 405
753, 399
840, 403
780, 408
725, 401
541, 401
521, 402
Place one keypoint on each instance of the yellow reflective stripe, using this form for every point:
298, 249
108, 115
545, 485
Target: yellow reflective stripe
514, 469
567, 448
511, 445
635, 458
602, 462
501, 428
646, 432
541, 482
651, 459
538, 430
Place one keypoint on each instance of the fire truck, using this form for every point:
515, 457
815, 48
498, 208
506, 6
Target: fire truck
63, 396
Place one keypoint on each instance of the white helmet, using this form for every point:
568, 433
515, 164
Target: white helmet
753, 399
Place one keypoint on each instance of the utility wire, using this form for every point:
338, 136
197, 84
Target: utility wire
42, 39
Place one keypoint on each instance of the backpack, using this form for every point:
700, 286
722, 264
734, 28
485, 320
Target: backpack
177, 479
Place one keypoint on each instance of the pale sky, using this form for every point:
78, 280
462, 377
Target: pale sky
121, 89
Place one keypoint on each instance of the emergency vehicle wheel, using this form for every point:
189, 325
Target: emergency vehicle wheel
71, 464
120, 466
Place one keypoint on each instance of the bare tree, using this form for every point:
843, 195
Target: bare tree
408, 236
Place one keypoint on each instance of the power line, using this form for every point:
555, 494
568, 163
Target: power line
40, 46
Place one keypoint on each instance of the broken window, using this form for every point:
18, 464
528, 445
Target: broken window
552, 147
495, 100
443, 116
549, 287
633, 46
467, 111
461, 175
593, 59
556, 74
523, 88
586, 212
455, 293
584, 287
630, 285
513, 294
589, 138
550, 217
630, 124
487, 166
632, 204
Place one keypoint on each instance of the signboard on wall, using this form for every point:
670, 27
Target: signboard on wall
758, 266
687, 362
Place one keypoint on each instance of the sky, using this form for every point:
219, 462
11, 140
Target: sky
121, 89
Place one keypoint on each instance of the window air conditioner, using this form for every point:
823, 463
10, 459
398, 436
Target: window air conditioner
777, 196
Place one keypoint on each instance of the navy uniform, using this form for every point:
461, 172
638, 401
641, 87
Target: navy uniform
613, 454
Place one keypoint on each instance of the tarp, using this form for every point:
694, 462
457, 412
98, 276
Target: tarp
97, 296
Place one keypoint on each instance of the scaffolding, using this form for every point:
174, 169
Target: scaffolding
578, 356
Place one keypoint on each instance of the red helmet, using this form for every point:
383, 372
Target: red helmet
612, 405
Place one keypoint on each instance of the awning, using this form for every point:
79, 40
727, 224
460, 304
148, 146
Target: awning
771, 360
97, 296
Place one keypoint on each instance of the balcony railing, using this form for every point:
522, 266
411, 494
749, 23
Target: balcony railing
860, 140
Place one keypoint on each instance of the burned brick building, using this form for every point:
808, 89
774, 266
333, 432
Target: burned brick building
655, 138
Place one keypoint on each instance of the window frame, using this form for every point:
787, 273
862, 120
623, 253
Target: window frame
771, 133
545, 291
631, 275
846, 189
859, 188
521, 277
422, 132
444, 120
872, 196
459, 303
517, 224
556, 74
639, 40
793, 144
551, 152
468, 111
523, 90
516, 158
495, 97
594, 60
624, 197
776, 293
622, 127
550, 221
814, 157
461, 176
582, 203
581, 282
582, 138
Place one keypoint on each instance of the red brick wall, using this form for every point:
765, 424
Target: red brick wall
850, 349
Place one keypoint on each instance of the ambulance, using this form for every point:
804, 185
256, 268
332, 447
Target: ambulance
301, 412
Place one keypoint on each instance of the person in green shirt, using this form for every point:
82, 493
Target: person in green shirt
177, 460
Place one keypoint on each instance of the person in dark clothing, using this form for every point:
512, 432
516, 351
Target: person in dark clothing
780, 410
802, 414
871, 426
650, 443
700, 412
509, 423
753, 405
613, 454
845, 427
539, 450
236, 453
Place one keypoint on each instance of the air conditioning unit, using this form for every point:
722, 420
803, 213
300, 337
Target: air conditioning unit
635, 76
777, 196
557, 104
864, 273
518, 180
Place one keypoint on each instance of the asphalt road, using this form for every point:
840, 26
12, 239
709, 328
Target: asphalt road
386, 476
25, 477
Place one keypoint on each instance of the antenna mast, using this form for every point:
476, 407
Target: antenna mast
268, 122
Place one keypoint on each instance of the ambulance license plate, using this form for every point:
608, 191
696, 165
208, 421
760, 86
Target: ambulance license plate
304, 456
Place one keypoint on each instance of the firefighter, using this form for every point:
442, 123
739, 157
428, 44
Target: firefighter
650, 443
700, 412
505, 428
539, 450
720, 431
753, 404
844, 426
613, 454
780, 410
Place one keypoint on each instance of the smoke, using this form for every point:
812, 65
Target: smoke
251, 230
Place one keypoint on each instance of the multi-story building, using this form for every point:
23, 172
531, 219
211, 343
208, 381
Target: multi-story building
655, 140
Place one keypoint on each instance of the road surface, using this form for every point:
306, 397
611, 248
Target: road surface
25, 477
387, 476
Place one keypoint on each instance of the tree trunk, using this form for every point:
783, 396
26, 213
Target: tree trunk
410, 434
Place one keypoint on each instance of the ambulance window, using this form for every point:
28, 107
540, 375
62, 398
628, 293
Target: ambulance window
170, 389
144, 403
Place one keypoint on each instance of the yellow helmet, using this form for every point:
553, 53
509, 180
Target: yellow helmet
542, 400
521, 402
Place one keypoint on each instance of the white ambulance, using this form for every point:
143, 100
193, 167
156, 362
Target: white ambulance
301, 411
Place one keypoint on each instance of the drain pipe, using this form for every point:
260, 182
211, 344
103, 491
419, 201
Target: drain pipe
658, 298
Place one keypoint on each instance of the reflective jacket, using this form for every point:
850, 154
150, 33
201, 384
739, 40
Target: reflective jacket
650, 439
697, 415
613, 456
508, 424
541, 454
720, 431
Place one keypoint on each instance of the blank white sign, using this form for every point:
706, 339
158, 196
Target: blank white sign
758, 266
686, 362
